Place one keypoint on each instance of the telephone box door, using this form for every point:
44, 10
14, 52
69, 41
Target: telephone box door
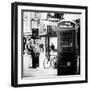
66, 52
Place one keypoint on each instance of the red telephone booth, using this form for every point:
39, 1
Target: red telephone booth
67, 48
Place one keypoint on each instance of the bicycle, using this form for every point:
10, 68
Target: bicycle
50, 62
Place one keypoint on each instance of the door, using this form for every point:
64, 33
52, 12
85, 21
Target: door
66, 52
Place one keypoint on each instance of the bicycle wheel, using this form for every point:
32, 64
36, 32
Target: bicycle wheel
46, 64
53, 63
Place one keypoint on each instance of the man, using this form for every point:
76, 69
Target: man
31, 50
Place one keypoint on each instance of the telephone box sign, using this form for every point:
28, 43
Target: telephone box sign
66, 25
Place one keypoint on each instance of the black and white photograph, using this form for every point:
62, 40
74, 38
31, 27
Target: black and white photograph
50, 44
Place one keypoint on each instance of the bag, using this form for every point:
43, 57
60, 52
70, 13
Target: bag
28, 52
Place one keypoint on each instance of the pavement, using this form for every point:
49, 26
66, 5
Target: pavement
36, 72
